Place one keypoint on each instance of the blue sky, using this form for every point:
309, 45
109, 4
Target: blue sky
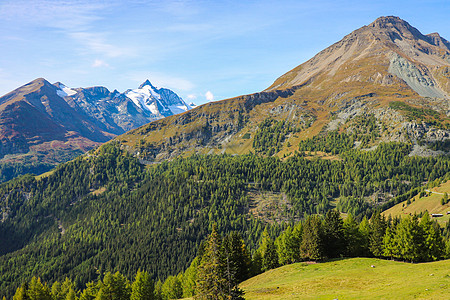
203, 50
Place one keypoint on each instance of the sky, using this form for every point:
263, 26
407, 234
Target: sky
202, 50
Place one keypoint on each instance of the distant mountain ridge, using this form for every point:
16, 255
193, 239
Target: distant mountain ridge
49, 123
386, 71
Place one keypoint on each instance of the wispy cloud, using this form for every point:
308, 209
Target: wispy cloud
96, 42
209, 96
67, 15
98, 63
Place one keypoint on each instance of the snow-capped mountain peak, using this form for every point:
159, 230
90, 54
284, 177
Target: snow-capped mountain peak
147, 83
160, 102
64, 91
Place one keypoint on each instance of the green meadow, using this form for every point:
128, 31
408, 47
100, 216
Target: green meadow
354, 278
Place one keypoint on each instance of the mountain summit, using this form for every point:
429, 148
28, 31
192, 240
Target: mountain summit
49, 123
372, 54
387, 72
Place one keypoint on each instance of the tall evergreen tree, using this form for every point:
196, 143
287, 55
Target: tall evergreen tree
189, 278
237, 256
288, 245
353, 237
211, 280
333, 234
269, 255
433, 243
171, 288
311, 247
142, 287
390, 246
409, 238
377, 231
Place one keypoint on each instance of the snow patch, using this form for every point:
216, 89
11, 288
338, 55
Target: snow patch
64, 91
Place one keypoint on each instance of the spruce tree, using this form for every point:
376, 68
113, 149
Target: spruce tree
269, 255
142, 287
238, 257
333, 234
311, 247
377, 232
433, 243
409, 238
171, 288
211, 281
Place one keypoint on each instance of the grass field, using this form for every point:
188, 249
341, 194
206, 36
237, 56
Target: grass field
353, 278
432, 203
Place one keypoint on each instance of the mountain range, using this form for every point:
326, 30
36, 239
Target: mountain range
45, 124
387, 70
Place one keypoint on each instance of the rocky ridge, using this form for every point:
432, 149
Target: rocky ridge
387, 70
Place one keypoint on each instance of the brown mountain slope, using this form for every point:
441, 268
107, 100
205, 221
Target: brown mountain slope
33, 118
387, 71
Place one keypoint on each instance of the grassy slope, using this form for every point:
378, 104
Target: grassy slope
431, 203
352, 279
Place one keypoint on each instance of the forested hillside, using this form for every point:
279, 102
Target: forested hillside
105, 211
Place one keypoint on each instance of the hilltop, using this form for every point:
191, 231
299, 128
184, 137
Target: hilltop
353, 278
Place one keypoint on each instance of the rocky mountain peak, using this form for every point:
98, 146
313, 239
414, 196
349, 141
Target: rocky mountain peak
147, 83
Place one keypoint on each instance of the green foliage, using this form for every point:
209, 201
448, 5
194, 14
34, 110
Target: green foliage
311, 247
171, 288
270, 136
268, 252
333, 235
9, 171
288, 245
142, 287
377, 230
119, 216
414, 113
215, 278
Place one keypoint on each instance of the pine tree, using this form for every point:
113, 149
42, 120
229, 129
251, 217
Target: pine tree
189, 278
21, 293
171, 288
238, 257
288, 245
311, 247
269, 255
390, 246
333, 234
364, 231
377, 231
37, 290
433, 243
353, 237
409, 238
142, 287
211, 280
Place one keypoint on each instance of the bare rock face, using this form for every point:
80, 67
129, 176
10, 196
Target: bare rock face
387, 71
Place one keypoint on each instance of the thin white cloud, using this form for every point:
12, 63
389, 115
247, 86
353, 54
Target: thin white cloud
209, 96
191, 97
96, 42
98, 63
67, 15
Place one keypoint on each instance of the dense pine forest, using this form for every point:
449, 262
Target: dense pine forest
105, 212
222, 263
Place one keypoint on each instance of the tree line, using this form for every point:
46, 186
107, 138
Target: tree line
222, 263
